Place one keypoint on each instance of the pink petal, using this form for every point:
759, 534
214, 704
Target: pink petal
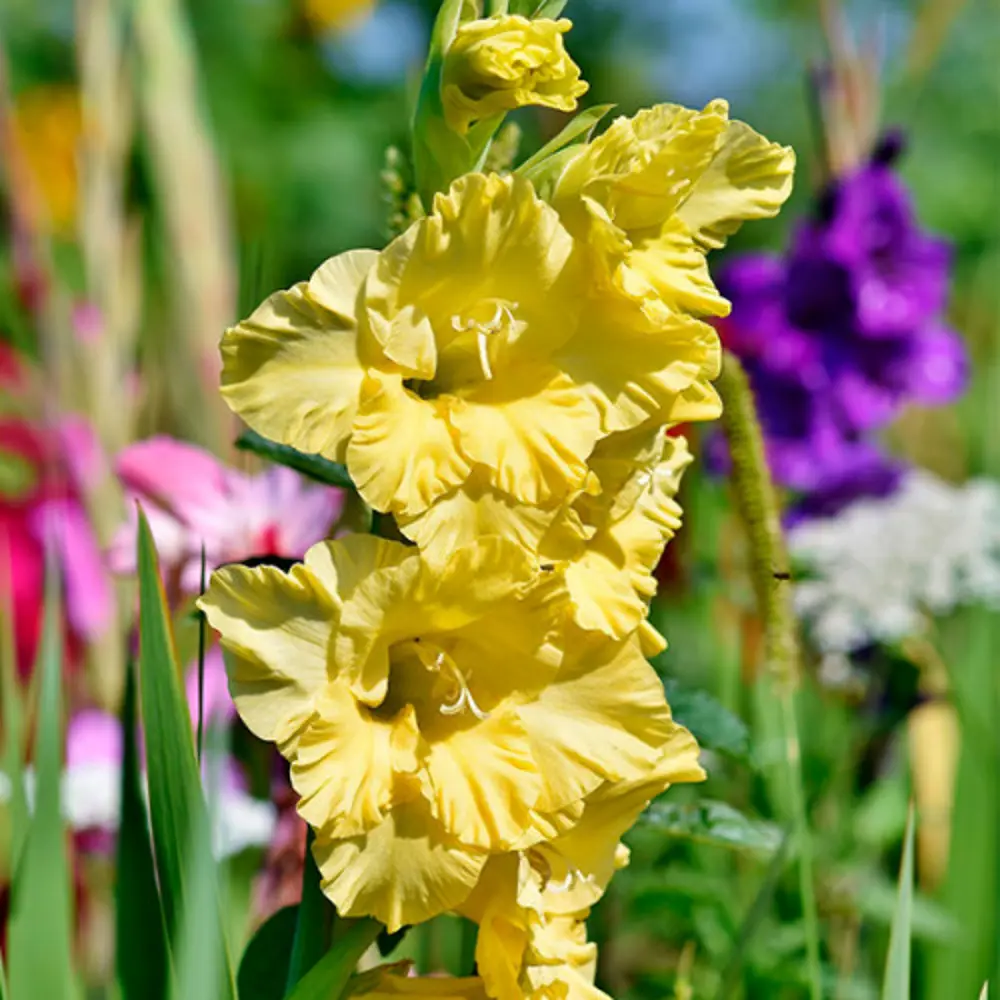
84, 575
93, 737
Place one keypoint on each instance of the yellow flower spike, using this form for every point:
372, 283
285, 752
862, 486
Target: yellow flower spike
434, 713
497, 64
655, 192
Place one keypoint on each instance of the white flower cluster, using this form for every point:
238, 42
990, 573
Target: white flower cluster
880, 565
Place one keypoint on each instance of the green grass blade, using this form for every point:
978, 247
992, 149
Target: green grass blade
896, 984
328, 977
12, 702
264, 965
314, 466
176, 805
202, 972
314, 926
41, 921
142, 954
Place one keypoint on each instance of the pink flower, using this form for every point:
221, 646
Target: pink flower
47, 509
191, 499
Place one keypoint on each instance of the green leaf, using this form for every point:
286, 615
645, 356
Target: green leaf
549, 8
577, 130
41, 920
329, 976
264, 966
142, 954
711, 724
439, 153
314, 466
896, 984
12, 704
202, 961
716, 823
314, 923
176, 805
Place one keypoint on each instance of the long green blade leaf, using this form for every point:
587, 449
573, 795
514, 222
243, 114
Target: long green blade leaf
314, 466
41, 923
314, 926
142, 953
579, 128
176, 805
11, 699
201, 949
896, 985
264, 965
327, 979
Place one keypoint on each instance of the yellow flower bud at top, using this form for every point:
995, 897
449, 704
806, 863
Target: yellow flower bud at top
501, 63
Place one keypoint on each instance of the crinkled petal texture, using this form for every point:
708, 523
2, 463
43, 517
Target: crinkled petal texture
468, 306
293, 370
655, 192
434, 713
609, 565
501, 63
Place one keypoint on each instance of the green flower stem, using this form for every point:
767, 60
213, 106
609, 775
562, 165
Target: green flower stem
758, 507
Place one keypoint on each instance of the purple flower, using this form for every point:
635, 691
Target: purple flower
842, 332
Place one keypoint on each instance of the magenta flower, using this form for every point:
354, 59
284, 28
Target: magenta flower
191, 500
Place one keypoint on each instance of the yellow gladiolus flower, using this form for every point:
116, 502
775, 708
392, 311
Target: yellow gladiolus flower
656, 192
381, 984
501, 63
433, 714
530, 906
430, 364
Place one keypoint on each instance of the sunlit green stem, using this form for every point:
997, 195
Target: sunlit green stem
759, 509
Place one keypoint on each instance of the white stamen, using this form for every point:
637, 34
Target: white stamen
484, 355
464, 699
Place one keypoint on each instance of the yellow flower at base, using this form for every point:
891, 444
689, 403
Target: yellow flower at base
656, 192
380, 984
501, 63
530, 906
433, 715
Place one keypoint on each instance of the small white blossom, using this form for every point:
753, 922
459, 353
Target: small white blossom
880, 565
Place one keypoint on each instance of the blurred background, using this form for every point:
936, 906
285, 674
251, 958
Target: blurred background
166, 165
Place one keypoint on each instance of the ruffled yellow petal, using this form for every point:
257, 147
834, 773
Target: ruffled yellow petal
491, 262
634, 368
560, 962
342, 564
404, 871
402, 455
748, 178
476, 510
580, 863
602, 595
276, 629
533, 428
484, 781
669, 273
347, 761
292, 370
603, 718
